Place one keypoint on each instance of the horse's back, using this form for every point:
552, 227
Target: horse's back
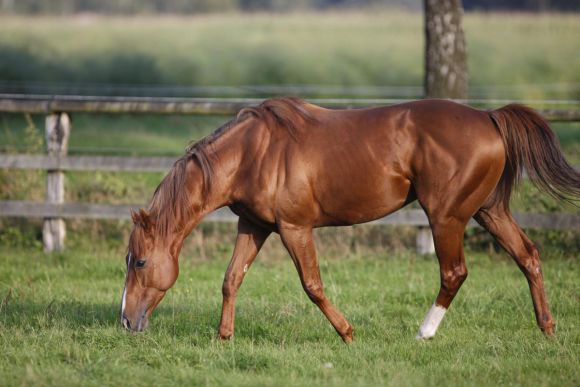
374, 157
400, 138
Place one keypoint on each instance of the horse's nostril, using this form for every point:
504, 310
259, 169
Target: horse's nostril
126, 323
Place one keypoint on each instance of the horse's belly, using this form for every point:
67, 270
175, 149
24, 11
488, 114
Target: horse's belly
362, 201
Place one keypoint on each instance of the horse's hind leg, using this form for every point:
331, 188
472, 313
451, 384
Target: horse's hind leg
505, 230
448, 238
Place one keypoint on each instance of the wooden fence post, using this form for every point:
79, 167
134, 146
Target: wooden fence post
424, 241
57, 131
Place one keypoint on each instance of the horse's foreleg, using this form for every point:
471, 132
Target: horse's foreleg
505, 230
448, 238
248, 242
299, 243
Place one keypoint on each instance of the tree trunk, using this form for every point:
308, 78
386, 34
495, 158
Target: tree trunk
445, 56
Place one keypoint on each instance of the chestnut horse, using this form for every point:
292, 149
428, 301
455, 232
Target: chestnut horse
287, 166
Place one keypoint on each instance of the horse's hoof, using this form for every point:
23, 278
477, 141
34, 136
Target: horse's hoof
347, 337
225, 336
549, 330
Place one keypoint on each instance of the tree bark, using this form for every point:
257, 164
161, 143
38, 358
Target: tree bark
445, 54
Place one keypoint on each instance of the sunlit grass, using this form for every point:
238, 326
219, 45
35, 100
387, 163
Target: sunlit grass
58, 325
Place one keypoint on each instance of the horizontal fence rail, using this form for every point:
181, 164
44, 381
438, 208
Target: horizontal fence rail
46, 104
27, 209
87, 163
308, 90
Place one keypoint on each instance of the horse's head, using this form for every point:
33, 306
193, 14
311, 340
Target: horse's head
152, 269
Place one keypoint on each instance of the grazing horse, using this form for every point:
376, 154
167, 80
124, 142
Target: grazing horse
287, 166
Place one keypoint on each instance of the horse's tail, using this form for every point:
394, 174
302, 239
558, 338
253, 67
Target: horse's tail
530, 143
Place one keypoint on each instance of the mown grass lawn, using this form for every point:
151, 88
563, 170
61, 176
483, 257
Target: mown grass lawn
58, 325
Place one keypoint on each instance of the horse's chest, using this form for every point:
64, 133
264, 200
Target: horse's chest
257, 213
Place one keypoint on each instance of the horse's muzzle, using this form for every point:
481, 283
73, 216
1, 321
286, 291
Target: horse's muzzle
137, 327
125, 322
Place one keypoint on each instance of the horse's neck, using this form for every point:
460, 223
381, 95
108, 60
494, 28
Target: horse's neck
208, 193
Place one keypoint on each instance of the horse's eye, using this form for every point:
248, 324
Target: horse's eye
140, 264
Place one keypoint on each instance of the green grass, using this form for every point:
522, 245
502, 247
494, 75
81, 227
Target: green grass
58, 325
329, 48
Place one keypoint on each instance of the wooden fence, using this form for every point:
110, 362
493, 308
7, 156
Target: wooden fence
58, 129
47, 104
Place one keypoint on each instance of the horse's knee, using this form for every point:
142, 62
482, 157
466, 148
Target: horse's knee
314, 290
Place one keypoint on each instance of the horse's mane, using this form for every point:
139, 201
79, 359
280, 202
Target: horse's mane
288, 113
170, 201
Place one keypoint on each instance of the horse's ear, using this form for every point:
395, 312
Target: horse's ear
135, 216
146, 221
142, 219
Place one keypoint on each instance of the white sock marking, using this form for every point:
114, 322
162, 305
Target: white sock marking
431, 323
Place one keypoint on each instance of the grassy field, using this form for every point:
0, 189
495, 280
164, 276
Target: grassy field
58, 325
333, 48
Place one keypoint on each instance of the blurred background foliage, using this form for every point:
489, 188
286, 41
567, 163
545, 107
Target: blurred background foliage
330, 54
